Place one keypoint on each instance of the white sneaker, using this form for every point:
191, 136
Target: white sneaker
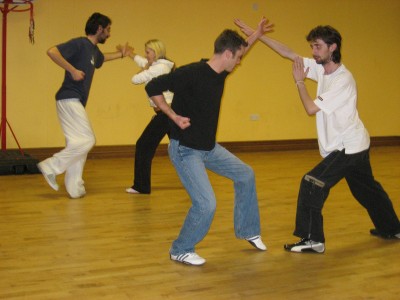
48, 175
189, 259
257, 242
131, 191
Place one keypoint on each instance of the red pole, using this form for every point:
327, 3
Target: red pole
4, 83
3, 126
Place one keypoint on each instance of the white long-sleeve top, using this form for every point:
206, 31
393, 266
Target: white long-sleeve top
159, 67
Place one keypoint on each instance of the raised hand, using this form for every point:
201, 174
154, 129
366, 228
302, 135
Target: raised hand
264, 26
126, 50
246, 29
298, 70
119, 48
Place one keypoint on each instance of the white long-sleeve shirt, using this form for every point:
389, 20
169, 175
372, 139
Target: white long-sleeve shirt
159, 67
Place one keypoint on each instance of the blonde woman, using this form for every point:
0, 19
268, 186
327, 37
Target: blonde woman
152, 65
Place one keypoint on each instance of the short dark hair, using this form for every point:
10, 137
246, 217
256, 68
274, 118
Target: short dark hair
94, 21
229, 40
330, 36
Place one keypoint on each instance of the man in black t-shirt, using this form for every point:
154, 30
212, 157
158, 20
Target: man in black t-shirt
198, 88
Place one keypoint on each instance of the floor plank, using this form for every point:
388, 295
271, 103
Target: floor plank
112, 245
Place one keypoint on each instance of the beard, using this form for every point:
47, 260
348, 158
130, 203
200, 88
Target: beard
101, 39
322, 61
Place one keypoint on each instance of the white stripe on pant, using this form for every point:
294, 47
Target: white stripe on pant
80, 139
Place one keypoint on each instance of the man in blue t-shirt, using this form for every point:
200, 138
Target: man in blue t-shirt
79, 57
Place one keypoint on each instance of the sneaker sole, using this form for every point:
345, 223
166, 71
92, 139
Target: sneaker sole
54, 187
185, 262
255, 246
131, 191
78, 197
306, 250
376, 233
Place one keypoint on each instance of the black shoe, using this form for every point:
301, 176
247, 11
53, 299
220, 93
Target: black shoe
305, 245
386, 236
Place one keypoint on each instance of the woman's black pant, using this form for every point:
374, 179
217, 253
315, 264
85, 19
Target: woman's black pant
146, 147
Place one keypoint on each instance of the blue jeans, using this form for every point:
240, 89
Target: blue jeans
191, 166
316, 184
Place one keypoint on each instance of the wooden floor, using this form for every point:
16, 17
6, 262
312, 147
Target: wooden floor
112, 245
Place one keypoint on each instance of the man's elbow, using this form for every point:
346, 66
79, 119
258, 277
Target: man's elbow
312, 110
310, 113
51, 52
135, 80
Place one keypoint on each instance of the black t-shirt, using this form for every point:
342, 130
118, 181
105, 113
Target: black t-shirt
197, 92
85, 56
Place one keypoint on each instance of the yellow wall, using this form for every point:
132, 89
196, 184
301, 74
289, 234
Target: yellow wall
261, 86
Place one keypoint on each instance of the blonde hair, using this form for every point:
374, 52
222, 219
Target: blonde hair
158, 47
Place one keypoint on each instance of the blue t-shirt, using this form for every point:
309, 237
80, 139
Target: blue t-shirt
85, 56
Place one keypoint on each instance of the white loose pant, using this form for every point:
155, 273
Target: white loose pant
79, 138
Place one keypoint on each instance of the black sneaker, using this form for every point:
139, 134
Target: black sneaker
305, 245
386, 236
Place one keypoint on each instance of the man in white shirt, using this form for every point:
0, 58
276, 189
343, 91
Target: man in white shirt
343, 141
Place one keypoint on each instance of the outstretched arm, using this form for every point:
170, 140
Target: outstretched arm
299, 75
278, 47
121, 52
126, 50
263, 27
